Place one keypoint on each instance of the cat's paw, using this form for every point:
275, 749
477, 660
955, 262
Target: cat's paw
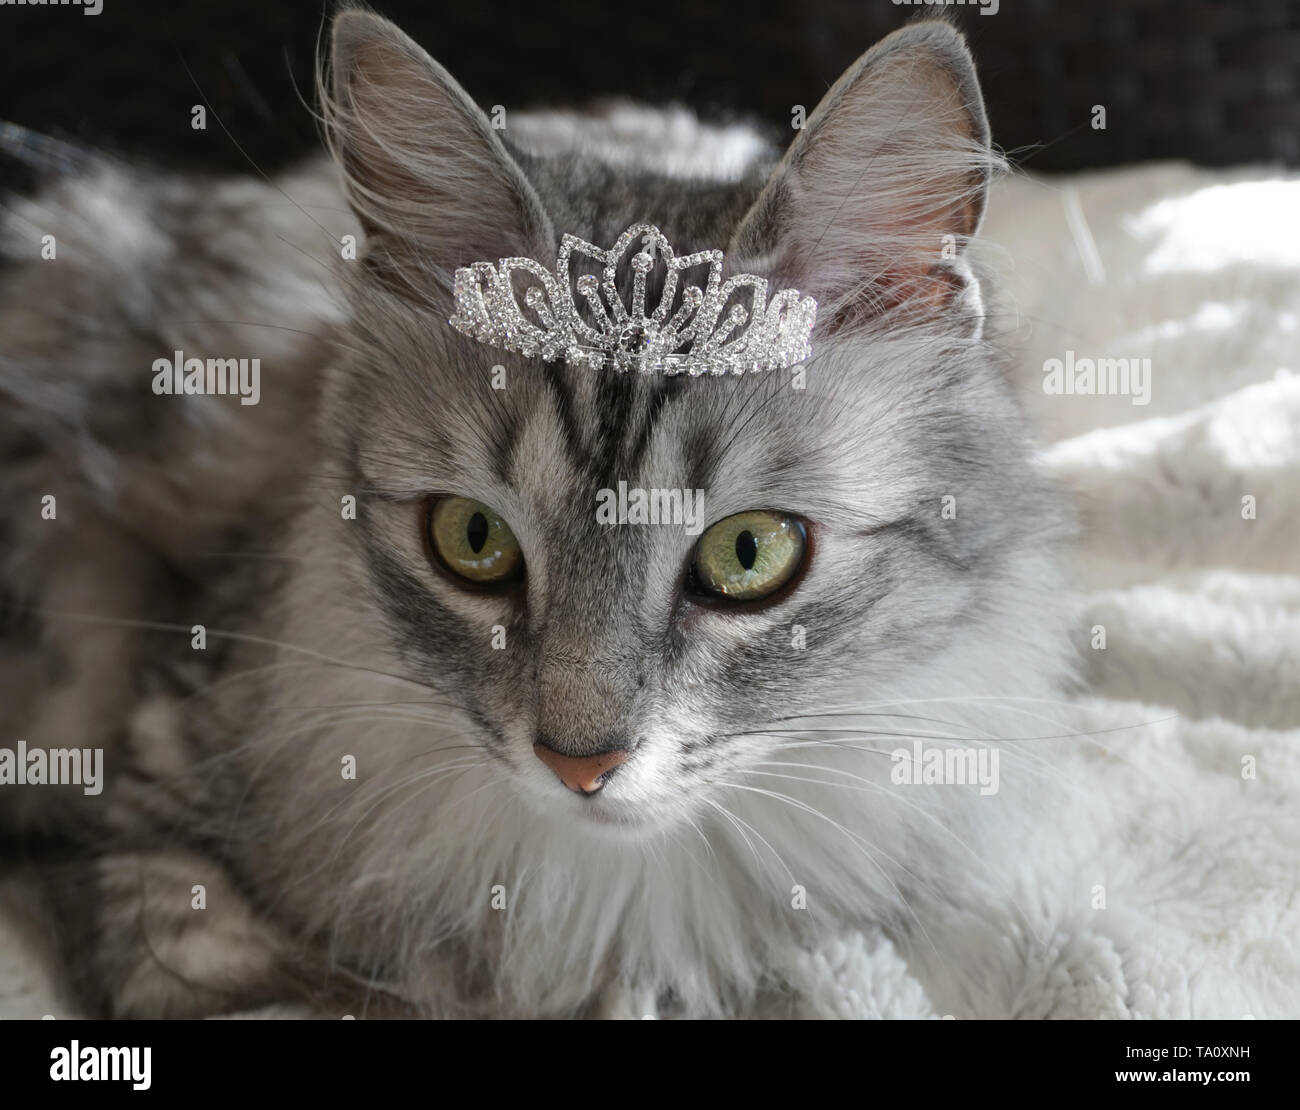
161, 934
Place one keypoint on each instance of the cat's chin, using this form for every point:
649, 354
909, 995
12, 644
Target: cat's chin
615, 820
608, 819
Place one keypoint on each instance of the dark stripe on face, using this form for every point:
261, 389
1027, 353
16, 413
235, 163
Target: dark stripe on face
562, 395
615, 400
926, 535
422, 625
507, 437
664, 389
701, 453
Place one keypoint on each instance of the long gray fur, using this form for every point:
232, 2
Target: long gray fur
454, 875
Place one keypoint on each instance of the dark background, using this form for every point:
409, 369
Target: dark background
1212, 81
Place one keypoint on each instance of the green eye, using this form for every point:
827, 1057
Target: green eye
749, 555
472, 541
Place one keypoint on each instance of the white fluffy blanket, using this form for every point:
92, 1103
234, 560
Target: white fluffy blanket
1191, 752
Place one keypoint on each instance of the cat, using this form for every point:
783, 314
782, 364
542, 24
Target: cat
353, 767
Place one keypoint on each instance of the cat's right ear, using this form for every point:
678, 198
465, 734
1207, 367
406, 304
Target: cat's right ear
423, 168
872, 207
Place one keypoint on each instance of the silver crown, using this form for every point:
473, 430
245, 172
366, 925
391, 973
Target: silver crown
623, 337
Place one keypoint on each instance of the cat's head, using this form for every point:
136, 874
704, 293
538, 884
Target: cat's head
832, 533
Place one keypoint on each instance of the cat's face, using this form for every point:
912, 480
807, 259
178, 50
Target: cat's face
816, 533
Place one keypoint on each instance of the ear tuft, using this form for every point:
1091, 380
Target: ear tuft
874, 203
422, 166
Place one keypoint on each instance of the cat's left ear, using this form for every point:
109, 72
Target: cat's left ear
429, 177
873, 205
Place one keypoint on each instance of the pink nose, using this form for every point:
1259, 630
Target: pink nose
581, 774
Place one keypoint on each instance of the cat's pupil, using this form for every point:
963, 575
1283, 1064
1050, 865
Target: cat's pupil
746, 549
476, 532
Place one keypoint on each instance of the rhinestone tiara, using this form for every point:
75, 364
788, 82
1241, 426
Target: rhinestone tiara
755, 334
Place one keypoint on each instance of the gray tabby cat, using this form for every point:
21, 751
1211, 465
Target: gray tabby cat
470, 750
